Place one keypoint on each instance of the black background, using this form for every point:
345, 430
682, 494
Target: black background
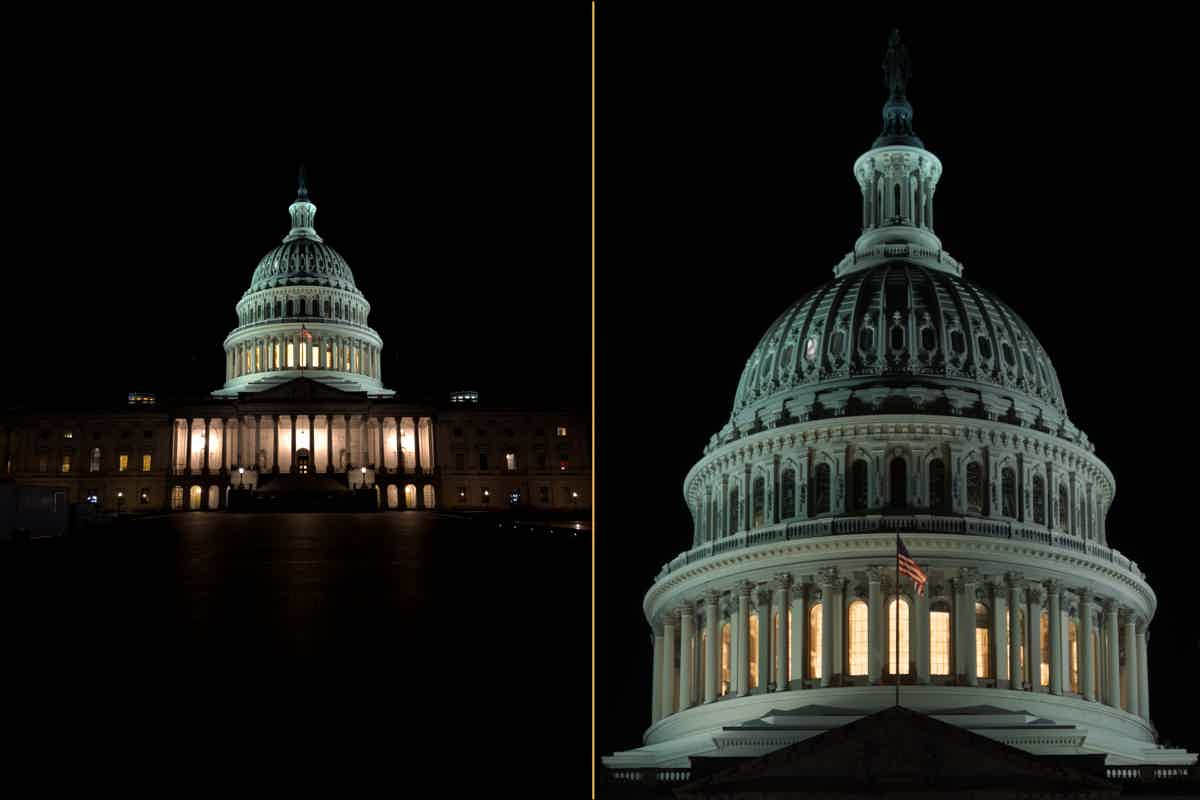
726, 137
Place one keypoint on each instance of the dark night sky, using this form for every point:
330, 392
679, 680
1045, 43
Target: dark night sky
724, 190
447, 155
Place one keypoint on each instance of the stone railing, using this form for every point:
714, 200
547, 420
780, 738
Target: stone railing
910, 523
1146, 773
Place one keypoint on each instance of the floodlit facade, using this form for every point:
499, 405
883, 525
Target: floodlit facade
303, 414
901, 399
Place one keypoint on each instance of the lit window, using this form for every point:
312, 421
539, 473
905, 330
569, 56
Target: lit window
724, 688
177, 498
123, 462
858, 638
1073, 649
983, 653
94, 466
814, 640
891, 615
145, 462
939, 640
1045, 671
562, 431
754, 651
66, 462
510, 460
68, 435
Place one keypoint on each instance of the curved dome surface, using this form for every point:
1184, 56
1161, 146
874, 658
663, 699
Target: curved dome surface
303, 261
899, 324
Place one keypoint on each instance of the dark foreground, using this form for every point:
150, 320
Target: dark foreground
407, 635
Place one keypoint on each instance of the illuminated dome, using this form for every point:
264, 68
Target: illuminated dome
303, 316
898, 402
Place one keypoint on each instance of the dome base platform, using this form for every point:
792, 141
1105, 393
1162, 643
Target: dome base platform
1038, 723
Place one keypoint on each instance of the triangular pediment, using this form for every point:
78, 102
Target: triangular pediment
301, 389
894, 749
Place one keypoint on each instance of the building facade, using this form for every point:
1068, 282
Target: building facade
303, 413
899, 400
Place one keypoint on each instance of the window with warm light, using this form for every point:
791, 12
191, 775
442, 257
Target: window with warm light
983, 653
725, 658
123, 462
146, 459
939, 639
94, 464
1073, 650
510, 460
891, 615
66, 462
177, 498
1045, 671
814, 640
68, 434
754, 651
858, 638
562, 431
791, 664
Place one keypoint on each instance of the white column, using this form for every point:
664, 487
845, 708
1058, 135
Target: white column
970, 577
1033, 650
764, 640
1143, 672
876, 643
743, 649
799, 636
827, 616
712, 669
668, 665
1016, 601
656, 683
782, 582
687, 648
1129, 621
999, 634
1054, 592
1112, 683
1087, 675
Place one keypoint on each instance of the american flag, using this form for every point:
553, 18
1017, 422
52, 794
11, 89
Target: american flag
906, 566
306, 333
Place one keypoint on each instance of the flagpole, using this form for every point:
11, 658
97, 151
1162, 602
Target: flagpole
896, 668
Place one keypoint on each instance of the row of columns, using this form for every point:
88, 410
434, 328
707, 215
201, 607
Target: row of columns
240, 460
715, 514
675, 686
344, 354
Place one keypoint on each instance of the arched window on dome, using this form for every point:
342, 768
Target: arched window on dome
974, 487
291, 355
857, 637
899, 483
278, 309
733, 509
1008, 492
891, 621
814, 641
859, 492
939, 638
787, 494
1039, 500
983, 645
1064, 509
337, 310
820, 491
937, 485
1073, 652
326, 314
759, 499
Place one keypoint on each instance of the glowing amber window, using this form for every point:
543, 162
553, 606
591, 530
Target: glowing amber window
1045, 672
814, 640
983, 653
891, 615
858, 638
1073, 648
754, 651
66, 463
146, 462
725, 658
939, 640
123, 462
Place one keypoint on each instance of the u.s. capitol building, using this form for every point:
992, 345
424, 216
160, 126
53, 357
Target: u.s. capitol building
899, 398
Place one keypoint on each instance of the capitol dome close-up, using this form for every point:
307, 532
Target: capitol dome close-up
899, 402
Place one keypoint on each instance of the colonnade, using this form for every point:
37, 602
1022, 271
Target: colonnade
293, 351
409, 451
834, 629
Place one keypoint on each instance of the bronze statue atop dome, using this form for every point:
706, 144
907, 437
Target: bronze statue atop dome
897, 69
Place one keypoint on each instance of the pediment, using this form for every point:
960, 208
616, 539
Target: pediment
301, 389
894, 748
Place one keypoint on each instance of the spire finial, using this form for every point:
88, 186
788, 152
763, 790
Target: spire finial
897, 112
302, 191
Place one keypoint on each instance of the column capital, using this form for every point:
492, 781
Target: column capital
763, 596
712, 599
1127, 616
1053, 587
970, 575
782, 581
1086, 595
1110, 605
1015, 580
686, 609
995, 585
671, 617
1036, 592
744, 588
827, 577
874, 574
1143, 626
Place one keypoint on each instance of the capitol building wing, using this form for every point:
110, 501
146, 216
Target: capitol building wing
899, 401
